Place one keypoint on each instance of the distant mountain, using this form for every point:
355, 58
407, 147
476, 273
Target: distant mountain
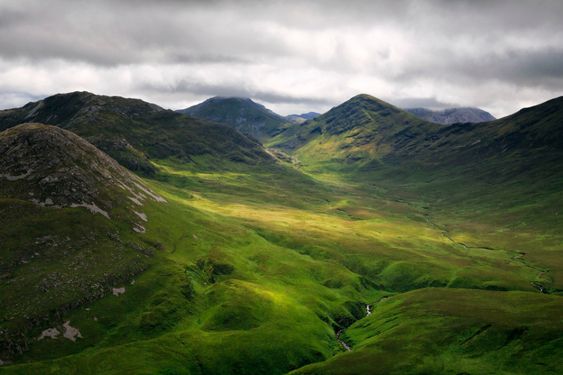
69, 228
133, 131
243, 114
452, 115
299, 119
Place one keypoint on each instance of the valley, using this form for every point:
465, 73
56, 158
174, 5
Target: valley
383, 244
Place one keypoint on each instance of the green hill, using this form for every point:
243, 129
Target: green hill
444, 331
243, 114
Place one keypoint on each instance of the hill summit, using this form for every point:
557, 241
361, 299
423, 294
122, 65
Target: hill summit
362, 126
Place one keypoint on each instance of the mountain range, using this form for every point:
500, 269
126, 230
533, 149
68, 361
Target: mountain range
133, 131
225, 238
452, 115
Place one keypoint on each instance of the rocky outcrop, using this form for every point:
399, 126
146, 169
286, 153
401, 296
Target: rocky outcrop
56, 168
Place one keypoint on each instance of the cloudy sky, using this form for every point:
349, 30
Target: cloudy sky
293, 56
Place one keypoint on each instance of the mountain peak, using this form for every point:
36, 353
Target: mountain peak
301, 118
356, 111
368, 102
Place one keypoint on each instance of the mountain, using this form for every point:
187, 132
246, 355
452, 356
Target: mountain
362, 128
299, 119
69, 226
452, 115
243, 114
365, 129
133, 131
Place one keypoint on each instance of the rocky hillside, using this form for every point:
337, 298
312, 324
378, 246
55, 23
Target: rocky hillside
243, 114
54, 167
452, 115
133, 131
70, 225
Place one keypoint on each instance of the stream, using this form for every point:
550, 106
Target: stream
342, 343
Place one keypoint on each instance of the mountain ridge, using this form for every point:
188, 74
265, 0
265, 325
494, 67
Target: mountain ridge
354, 126
450, 116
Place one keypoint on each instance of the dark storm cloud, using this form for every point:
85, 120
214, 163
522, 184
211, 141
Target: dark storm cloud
292, 53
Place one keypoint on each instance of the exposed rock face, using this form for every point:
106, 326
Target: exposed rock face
54, 167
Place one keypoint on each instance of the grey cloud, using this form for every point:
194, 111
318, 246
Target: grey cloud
199, 89
14, 99
465, 46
